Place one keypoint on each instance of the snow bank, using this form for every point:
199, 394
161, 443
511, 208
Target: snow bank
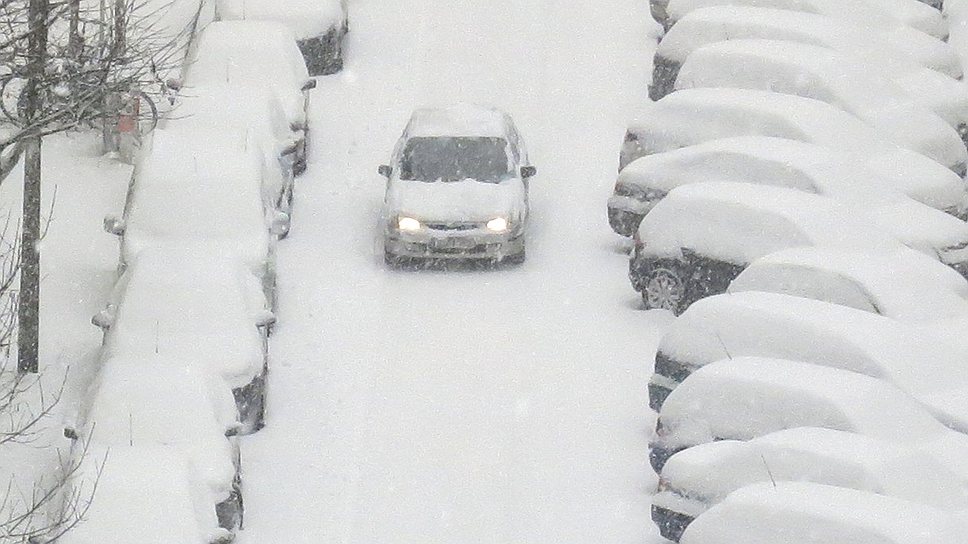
740, 222
805, 513
140, 494
886, 14
745, 397
823, 74
900, 49
908, 287
915, 359
812, 454
306, 18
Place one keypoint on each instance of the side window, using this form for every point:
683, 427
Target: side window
518, 154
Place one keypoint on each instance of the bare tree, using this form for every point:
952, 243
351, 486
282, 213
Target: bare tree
64, 65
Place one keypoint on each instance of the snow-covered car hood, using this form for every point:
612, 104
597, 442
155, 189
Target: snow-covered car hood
454, 201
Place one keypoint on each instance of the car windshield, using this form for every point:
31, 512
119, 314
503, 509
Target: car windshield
455, 159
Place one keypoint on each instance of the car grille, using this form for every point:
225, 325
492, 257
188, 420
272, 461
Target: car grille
453, 226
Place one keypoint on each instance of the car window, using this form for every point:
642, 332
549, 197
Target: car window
482, 159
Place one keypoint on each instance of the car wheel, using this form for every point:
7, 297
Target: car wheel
665, 288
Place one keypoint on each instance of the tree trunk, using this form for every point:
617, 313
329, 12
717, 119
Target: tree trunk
74, 40
28, 312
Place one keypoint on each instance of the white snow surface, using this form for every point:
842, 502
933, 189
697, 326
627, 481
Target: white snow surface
908, 287
823, 74
876, 13
788, 163
898, 48
919, 360
745, 397
466, 200
739, 222
143, 494
708, 472
305, 18
806, 513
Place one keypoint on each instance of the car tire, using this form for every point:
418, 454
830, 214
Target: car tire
666, 288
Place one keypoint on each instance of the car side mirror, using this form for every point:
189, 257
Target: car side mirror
280, 224
104, 319
222, 536
174, 84
233, 430
309, 85
528, 171
113, 225
290, 149
385, 170
265, 318
70, 433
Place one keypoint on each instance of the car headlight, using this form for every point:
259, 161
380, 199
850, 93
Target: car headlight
408, 224
498, 224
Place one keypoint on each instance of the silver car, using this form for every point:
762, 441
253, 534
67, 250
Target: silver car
457, 188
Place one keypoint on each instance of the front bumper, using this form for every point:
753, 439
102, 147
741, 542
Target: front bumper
474, 246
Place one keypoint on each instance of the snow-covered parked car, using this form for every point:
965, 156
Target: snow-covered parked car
914, 60
806, 513
912, 288
885, 14
457, 187
826, 75
213, 197
318, 26
213, 118
149, 400
693, 116
260, 54
145, 494
701, 236
921, 361
886, 200
745, 397
193, 305
696, 479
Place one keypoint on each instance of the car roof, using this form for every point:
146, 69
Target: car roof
900, 47
222, 108
824, 74
744, 397
139, 491
306, 18
784, 162
815, 454
739, 222
458, 120
883, 13
751, 323
902, 286
807, 513
246, 53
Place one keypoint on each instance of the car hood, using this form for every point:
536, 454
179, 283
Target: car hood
466, 200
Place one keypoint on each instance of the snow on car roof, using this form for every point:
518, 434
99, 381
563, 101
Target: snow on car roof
247, 53
752, 323
744, 397
192, 314
908, 286
458, 120
806, 513
226, 108
142, 494
882, 13
740, 222
819, 455
306, 18
184, 188
824, 74
900, 48
784, 162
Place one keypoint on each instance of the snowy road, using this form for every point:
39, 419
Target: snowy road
503, 406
